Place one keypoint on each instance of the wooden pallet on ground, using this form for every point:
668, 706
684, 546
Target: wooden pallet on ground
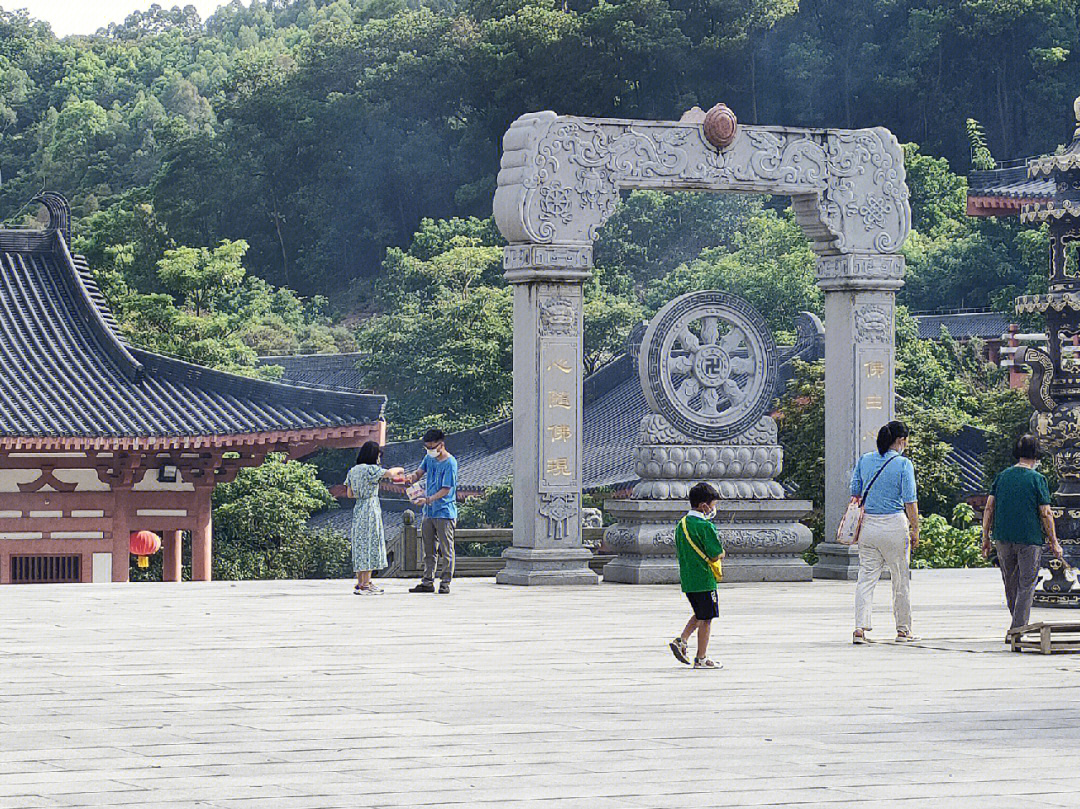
1045, 638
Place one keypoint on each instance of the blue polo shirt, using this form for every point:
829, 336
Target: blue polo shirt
893, 488
439, 474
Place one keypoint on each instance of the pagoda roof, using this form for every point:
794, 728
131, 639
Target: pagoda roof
1003, 192
69, 381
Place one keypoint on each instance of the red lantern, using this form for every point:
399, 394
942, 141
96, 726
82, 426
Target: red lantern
144, 544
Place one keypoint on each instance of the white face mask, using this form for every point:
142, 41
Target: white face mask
433, 453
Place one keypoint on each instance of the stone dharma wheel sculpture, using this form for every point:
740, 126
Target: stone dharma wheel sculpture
708, 366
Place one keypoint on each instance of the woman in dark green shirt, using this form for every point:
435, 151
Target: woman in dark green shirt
1017, 518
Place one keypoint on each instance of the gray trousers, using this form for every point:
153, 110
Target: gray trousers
1020, 571
438, 535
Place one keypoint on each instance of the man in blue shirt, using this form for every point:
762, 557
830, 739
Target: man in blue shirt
439, 469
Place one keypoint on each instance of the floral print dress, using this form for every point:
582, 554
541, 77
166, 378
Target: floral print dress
368, 540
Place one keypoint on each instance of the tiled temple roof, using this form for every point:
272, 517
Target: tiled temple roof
67, 376
963, 325
966, 450
1001, 192
328, 371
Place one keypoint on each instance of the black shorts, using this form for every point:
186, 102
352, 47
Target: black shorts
704, 604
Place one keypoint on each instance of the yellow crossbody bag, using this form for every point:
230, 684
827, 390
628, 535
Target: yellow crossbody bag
716, 567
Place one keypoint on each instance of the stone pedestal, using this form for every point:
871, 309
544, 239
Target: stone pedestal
836, 561
547, 566
764, 540
707, 367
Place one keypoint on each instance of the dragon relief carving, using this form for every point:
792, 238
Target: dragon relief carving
562, 176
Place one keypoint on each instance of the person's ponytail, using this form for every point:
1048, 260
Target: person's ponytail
889, 435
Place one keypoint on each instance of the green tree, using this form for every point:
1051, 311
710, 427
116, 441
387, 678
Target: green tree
260, 525
202, 277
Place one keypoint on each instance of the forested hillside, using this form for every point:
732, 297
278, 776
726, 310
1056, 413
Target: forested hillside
322, 132
317, 176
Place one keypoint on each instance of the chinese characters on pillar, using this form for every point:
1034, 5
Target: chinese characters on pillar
874, 394
560, 398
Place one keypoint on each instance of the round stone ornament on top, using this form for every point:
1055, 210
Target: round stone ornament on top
720, 126
707, 365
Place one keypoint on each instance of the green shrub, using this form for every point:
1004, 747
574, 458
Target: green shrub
945, 544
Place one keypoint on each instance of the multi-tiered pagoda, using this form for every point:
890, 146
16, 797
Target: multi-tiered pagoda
1048, 192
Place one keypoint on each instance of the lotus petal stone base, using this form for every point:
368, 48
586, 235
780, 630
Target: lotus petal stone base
528, 566
763, 539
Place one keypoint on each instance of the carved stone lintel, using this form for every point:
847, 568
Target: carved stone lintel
861, 266
561, 176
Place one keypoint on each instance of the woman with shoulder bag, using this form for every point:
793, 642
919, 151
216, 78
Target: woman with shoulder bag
884, 483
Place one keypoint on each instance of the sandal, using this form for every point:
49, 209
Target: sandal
706, 663
905, 636
678, 648
858, 637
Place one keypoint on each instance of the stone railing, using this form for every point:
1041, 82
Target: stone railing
407, 554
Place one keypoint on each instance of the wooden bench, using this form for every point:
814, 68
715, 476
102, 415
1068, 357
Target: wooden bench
1045, 638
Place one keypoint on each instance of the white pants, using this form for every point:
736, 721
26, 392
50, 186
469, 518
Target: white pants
883, 542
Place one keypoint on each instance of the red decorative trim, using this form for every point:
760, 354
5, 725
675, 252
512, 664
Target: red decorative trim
999, 206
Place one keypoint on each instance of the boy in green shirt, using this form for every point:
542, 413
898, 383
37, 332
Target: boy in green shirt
696, 577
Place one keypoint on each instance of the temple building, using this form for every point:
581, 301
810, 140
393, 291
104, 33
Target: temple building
99, 439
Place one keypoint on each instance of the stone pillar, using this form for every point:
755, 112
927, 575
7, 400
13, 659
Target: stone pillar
202, 533
547, 282
172, 556
121, 532
860, 341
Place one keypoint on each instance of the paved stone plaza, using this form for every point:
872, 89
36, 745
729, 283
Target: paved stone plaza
298, 694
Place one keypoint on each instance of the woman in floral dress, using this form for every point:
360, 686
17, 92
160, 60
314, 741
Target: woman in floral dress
368, 541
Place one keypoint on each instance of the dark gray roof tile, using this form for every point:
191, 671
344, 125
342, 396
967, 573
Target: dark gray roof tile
1012, 183
963, 325
64, 371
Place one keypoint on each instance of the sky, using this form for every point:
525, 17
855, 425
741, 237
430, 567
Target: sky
86, 16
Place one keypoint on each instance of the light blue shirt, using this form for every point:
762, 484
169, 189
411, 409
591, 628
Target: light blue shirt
893, 488
437, 475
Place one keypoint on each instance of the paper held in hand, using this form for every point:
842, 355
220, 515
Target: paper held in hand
415, 492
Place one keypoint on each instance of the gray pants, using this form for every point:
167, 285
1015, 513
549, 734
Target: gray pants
1020, 571
438, 534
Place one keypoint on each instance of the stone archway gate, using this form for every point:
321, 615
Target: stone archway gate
560, 180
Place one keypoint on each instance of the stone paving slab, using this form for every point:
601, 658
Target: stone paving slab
299, 694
